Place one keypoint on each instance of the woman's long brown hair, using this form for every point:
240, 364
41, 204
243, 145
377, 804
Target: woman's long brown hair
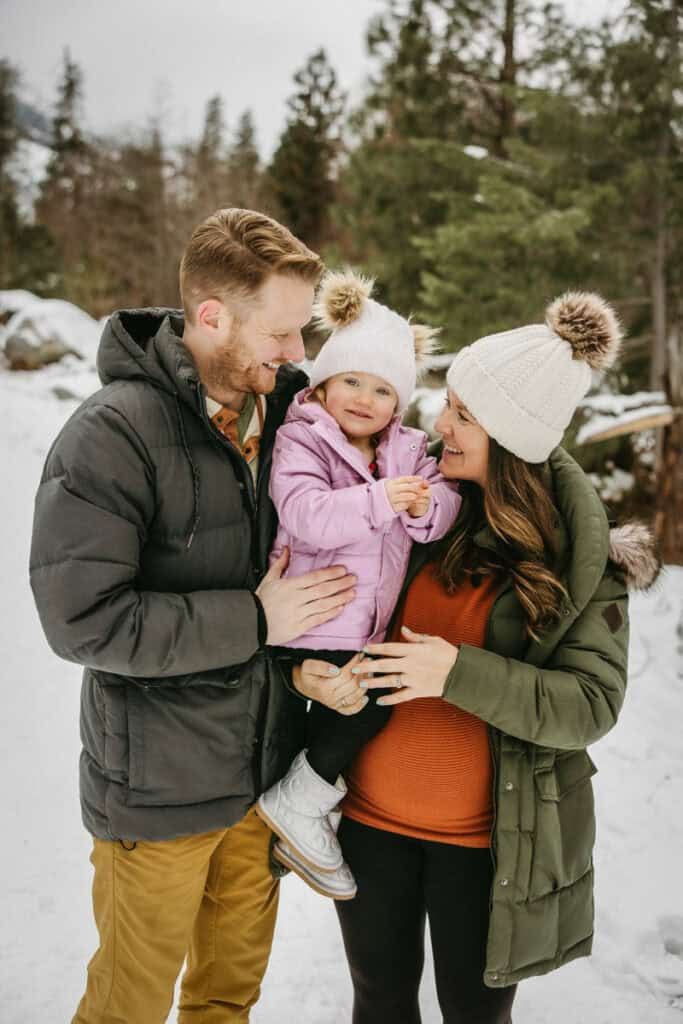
518, 507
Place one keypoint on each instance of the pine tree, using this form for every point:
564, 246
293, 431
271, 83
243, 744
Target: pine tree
450, 75
302, 171
502, 252
132, 262
638, 85
245, 175
69, 149
62, 207
454, 70
628, 89
210, 168
213, 136
641, 86
27, 250
9, 214
408, 97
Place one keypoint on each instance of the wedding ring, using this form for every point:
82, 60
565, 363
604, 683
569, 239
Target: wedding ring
399, 682
342, 701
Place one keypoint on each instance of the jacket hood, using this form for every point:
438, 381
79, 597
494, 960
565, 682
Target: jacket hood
587, 539
630, 547
145, 344
305, 410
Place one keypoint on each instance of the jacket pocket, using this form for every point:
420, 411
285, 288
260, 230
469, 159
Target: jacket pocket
565, 821
104, 730
189, 743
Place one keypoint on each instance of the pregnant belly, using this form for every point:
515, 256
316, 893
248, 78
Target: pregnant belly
428, 773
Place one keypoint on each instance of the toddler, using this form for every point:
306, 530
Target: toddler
351, 486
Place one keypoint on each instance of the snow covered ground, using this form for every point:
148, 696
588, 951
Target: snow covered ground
636, 973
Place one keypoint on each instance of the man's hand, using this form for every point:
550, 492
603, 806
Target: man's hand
402, 491
295, 605
420, 506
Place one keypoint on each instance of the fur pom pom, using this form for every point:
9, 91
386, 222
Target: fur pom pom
633, 549
589, 324
424, 340
341, 298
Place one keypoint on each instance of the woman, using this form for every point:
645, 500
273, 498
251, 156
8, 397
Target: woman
473, 807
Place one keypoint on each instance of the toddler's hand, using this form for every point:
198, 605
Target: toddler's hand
402, 491
420, 506
335, 688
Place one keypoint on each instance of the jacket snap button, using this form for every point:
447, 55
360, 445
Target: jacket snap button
504, 881
509, 786
413, 447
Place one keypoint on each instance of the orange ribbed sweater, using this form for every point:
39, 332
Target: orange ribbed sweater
428, 773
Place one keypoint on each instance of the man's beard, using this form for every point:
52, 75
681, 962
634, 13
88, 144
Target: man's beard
232, 369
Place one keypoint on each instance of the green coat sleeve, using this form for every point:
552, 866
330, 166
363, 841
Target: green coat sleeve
573, 699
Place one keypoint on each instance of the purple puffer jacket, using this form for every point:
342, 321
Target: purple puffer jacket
333, 512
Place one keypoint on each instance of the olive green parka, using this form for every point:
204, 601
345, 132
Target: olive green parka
545, 702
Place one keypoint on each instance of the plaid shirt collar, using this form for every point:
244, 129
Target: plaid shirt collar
226, 420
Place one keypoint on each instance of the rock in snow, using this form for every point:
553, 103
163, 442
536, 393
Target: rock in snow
43, 331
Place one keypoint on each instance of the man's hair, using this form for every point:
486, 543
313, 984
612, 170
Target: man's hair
233, 252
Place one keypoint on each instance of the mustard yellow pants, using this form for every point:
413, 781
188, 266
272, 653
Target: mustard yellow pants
209, 897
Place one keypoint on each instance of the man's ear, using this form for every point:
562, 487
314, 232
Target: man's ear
212, 315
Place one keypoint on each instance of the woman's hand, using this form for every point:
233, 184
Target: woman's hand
417, 668
336, 688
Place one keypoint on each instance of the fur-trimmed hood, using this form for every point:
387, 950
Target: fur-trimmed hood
632, 547
587, 542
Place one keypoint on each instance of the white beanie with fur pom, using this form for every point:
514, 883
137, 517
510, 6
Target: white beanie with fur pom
524, 385
367, 337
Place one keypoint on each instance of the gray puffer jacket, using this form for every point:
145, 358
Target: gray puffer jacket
149, 539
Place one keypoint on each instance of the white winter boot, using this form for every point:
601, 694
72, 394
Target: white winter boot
296, 809
339, 884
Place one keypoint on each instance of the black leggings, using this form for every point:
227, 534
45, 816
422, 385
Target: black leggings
401, 881
333, 740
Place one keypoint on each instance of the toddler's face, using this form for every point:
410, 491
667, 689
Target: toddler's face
361, 403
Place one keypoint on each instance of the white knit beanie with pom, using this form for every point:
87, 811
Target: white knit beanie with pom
367, 337
524, 385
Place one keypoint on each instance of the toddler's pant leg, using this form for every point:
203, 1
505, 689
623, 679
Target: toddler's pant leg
334, 739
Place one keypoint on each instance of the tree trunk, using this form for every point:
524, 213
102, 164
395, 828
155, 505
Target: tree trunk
665, 369
658, 278
508, 78
668, 526
669, 515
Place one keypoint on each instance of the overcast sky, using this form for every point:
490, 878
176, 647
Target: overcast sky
167, 57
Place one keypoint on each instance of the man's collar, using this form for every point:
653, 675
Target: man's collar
212, 406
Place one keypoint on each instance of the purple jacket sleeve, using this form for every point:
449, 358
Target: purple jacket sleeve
443, 508
308, 507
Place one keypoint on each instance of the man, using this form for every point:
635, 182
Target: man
148, 566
